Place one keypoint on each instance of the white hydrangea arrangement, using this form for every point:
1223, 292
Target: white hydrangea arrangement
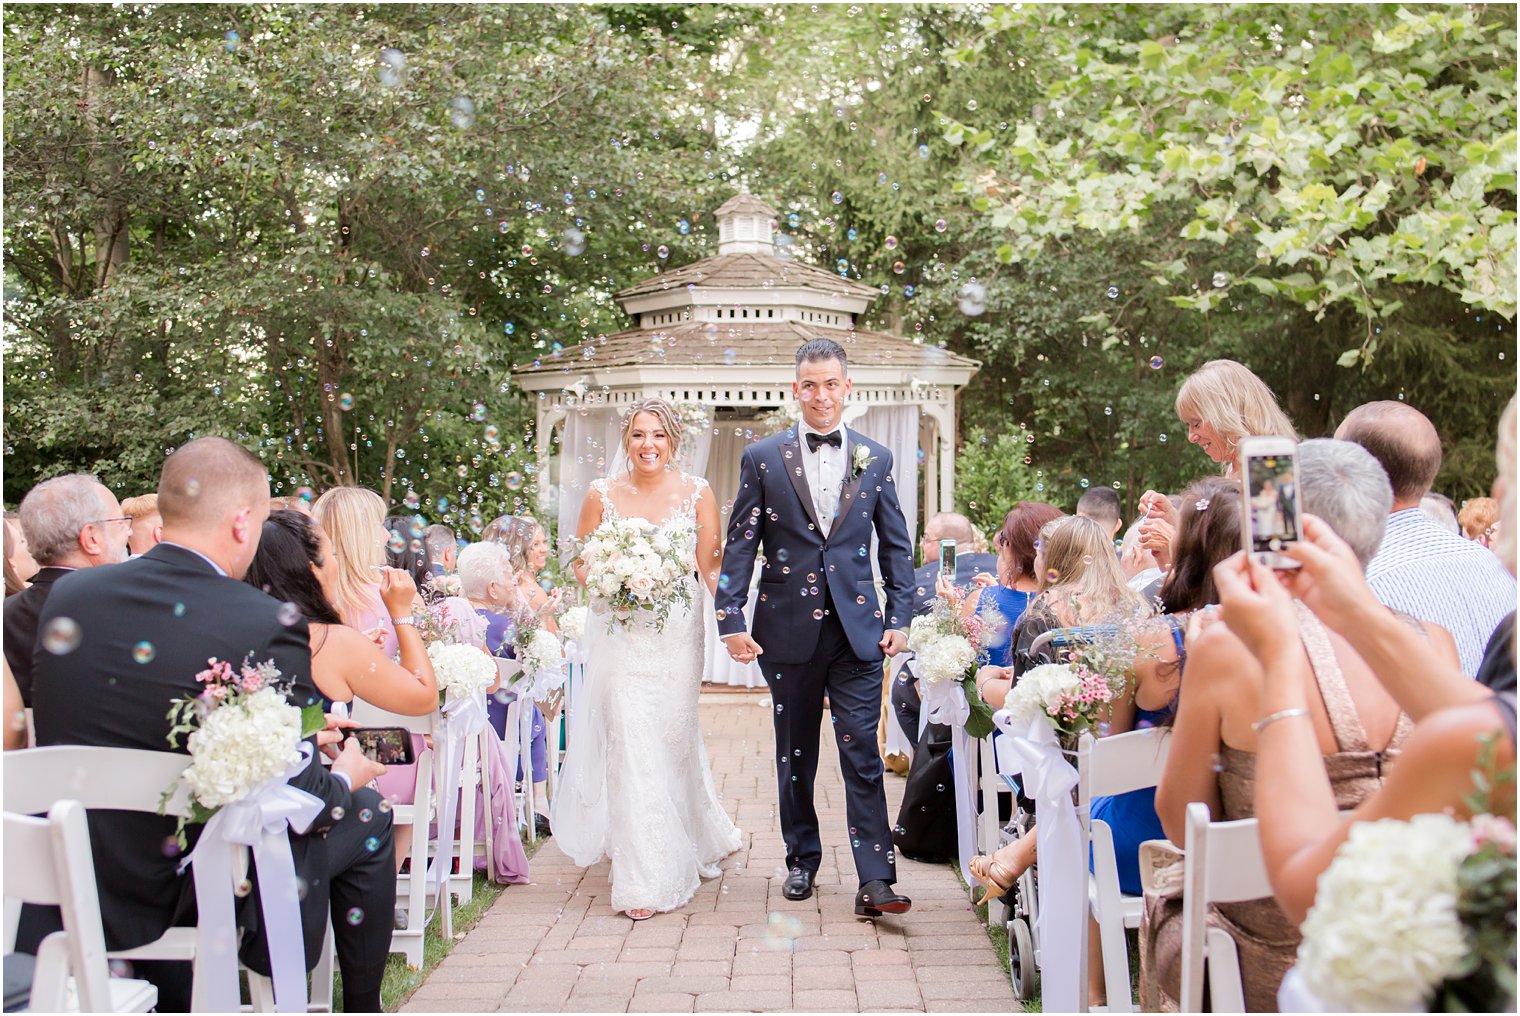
463, 671
1384, 931
634, 566
947, 648
542, 657
572, 623
243, 732
1072, 697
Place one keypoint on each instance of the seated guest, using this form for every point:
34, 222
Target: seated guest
1101, 504
1137, 562
354, 520
20, 566
1301, 828
485, 573
968, 562
147, 524
1359, 727
1479, 519
1439, 509
442, 548
292, 565
184, 600
528, 551
71, 522
1421, 569
1001, 604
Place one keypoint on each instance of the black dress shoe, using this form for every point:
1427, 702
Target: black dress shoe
541, 827
798, 884
877, 897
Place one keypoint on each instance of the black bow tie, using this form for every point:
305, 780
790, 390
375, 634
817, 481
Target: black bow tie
831, 438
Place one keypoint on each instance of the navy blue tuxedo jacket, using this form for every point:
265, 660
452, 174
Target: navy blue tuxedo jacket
774, 508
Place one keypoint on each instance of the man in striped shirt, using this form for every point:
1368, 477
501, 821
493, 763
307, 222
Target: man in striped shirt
1421, 569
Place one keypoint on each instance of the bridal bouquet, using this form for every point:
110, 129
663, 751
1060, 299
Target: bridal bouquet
463, 671
242, 733
633, 565
947, 650
542, 658
1414, 915
1074, 697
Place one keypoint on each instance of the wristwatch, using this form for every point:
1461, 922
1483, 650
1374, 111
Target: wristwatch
399, 621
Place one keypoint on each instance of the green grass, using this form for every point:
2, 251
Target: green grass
400, 980
999, 936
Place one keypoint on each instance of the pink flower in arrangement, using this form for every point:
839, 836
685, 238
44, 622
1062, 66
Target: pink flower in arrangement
1495, 829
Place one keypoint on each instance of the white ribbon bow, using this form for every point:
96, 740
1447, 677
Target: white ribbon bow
945, 702
1048, 778
463, 718
259, 821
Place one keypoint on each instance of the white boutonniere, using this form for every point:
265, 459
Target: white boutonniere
861, 459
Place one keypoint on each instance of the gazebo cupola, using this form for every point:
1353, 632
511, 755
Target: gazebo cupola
746, 225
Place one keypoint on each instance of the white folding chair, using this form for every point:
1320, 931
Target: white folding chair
518, 740
1107, 767
1224, 864
412, 885
48, 862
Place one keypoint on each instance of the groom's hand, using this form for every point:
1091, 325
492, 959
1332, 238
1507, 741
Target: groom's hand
893, 642
742, 648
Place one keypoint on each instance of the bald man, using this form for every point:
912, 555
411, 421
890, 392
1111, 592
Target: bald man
1421, 569
137, 634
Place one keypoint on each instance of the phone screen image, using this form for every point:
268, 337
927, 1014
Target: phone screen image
947, 558
1272, 501
386, 745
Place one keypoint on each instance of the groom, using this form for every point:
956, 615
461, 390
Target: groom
815, 495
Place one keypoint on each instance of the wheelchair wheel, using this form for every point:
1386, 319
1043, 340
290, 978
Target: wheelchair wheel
1021, 959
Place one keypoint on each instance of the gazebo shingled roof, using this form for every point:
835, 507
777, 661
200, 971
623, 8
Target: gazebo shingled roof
748, 271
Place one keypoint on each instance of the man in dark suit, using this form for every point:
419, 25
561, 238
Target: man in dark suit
70, 522
816, 495
145, 629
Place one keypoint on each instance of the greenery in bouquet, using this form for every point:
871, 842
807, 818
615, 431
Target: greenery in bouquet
948, 648
241, 731
633, 566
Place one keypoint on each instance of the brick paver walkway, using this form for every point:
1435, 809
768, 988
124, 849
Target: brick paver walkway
557, 946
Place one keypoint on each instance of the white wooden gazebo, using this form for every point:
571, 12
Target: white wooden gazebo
718, 337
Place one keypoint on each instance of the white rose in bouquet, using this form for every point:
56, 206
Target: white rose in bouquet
1040, 692
462, 670
641, 586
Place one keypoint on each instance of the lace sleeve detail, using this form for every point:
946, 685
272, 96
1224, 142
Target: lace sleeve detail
609, 510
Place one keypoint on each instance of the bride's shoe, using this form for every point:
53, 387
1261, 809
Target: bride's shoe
640, 914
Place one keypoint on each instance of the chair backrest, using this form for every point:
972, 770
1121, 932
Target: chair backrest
373, 716
1107, 766
1071, 636
1224, 864
48, 862
121, 779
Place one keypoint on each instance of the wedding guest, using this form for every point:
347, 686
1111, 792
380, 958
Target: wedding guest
184, 602
70, 522
528, 551
1101, 504
1479, 519
1357, 725
147, 525
1420, 568
442, 548
15, 712
1439, 509
406, 549
1002, 604
968, 561
20, 566
485, 574
1137, 562
1301, 828
293, 564
301, 505
353, 519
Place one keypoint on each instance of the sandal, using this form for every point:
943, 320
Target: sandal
640, 914
997, 879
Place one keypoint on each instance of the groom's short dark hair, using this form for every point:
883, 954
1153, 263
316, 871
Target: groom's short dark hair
821, 349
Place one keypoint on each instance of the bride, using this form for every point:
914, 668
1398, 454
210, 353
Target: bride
635, 786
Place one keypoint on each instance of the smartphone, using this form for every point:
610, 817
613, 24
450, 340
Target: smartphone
1271, 515
947, 559
390, 746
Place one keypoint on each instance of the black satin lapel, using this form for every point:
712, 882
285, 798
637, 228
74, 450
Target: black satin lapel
791, 461
852, 485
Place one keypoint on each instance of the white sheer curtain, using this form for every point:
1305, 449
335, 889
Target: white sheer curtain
897, 428
728, 443
586, 452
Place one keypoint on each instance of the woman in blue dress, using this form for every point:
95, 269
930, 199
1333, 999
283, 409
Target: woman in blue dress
1000, 604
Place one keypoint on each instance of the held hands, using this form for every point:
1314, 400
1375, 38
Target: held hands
397, 589
893, 642
742, 648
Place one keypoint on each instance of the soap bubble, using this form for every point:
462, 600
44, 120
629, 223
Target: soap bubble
462, 112
940, 225
144, 652
61, 636
346, 401
972, 299
575, 242
1157, 362
837, 198
1221, 280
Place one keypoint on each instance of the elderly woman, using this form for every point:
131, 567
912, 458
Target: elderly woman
1357, 727
489, 583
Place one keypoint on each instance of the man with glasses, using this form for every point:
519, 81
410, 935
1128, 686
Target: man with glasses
70, 522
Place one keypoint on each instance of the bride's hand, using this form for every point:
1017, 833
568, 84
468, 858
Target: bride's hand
742, 648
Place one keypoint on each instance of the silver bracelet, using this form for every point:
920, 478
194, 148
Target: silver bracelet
397, 622
1282, 714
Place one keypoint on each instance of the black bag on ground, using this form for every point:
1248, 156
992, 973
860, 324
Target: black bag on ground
925, 829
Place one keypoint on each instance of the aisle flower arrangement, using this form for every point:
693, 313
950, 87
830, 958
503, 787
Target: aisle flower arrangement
633, 566
241, 732
1074, 697
463, 671
947, 650
542, 657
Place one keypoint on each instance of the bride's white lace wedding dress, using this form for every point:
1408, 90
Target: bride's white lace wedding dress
635, 785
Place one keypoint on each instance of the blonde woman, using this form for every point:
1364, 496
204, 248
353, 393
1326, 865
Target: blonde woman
636, 785
354, 520
1220, 402
528, 547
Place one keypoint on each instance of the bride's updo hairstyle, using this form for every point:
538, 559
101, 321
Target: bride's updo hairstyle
660, 410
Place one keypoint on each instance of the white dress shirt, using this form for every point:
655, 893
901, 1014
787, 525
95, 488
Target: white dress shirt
825, 471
